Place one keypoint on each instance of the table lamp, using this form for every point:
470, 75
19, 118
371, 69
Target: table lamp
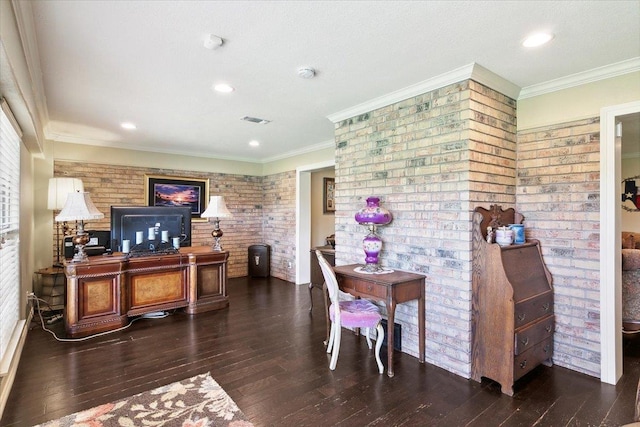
59, 189
372, 216
216, 209
79, 207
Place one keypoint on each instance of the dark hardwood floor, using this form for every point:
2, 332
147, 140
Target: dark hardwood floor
266, 351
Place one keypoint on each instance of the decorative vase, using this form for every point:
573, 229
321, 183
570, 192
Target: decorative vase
504, 236
372, 215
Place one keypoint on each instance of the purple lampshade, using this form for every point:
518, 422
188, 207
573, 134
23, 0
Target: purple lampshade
373, 213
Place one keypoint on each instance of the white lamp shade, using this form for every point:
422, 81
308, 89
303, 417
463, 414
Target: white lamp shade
79, 207
59, 189
216, 208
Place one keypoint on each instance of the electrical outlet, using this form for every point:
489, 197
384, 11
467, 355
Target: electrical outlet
30, 294
289, 265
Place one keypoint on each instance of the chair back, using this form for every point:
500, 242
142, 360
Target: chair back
329, 278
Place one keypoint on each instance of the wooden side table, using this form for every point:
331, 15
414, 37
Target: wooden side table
391, 288
50, 286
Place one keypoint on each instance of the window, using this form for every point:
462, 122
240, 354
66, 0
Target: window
9, 232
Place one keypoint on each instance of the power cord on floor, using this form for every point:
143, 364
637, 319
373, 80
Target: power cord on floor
56, 317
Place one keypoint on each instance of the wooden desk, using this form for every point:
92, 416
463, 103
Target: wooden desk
105, 291
392, 288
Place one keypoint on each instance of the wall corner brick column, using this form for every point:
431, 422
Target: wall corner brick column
431, 159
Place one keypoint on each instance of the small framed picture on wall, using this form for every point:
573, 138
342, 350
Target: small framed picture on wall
329, 192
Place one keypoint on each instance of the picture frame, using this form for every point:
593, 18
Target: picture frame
328, 195
178, 191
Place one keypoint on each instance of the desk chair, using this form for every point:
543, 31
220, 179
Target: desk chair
358, 313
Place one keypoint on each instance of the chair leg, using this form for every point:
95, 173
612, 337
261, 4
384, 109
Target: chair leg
311, 297
379, 339
332, 335
366, 334
336, 349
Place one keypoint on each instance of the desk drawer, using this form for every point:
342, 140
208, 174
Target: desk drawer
533, 308
533, 334
531, 358
363, 288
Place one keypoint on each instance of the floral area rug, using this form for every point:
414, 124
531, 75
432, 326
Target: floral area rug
194, 402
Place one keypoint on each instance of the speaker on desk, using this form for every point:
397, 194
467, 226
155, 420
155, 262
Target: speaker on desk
259, 260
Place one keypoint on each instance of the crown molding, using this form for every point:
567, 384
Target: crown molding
309, 149
589, 76
490, 79
471, 71
71, 139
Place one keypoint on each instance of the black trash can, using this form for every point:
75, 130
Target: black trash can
259, 260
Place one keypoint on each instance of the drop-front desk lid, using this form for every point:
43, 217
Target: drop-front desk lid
525, 270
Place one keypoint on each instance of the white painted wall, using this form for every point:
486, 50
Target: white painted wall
578, 102
322, 224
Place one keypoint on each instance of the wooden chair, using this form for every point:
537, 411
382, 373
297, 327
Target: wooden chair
358, 313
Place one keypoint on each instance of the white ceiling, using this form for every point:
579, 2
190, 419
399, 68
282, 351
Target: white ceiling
105, 62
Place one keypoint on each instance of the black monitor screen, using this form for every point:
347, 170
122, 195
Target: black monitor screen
126, 221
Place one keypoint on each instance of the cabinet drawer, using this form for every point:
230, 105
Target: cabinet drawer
533, 334
534, 308
527, 360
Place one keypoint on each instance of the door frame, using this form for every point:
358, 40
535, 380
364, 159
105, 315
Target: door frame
303, 218
610, 243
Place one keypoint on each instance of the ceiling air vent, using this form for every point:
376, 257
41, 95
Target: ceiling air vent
255, 120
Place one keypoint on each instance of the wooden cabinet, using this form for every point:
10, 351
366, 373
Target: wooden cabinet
208, 282
104, 291
512, 304
95, 297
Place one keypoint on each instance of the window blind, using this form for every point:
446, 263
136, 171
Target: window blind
9, 229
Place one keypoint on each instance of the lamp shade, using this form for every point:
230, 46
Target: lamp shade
59, 189
79, 207
373, 213
216, 208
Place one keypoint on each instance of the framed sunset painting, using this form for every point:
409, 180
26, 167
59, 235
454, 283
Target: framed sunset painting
178, 191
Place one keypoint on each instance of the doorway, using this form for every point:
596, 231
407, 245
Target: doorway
610, 242
303, 218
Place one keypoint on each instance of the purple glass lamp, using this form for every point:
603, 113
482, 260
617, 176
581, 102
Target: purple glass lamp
373, 215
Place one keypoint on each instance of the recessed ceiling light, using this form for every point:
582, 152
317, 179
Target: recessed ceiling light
223, 88
128, 126
537, 39
254, 143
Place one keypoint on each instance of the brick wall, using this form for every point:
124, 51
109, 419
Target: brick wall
124, 186
279, 223
430, 159
558, 190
